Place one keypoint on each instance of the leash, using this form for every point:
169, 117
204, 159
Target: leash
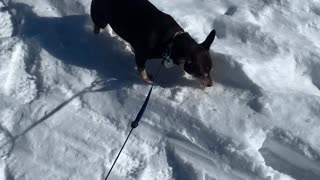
168, 63
135, 123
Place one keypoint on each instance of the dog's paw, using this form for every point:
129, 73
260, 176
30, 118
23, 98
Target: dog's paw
96, 30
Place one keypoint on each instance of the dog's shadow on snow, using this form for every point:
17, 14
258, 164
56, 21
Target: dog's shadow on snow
229, 72
71, 40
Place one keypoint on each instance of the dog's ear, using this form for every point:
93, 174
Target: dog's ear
207, 43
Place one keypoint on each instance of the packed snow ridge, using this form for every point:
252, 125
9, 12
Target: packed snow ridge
68, 96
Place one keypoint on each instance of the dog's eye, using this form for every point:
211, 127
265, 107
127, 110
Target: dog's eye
206, 75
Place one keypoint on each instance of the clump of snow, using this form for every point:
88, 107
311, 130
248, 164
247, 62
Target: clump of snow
68, 96
17, 81
6, 25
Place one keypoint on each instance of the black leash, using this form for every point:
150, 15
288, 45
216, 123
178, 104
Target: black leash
135, 123
167, 62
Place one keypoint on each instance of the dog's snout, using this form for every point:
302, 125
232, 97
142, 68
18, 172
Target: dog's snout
209, 84
207, 81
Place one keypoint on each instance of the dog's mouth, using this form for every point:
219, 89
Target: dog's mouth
207, 81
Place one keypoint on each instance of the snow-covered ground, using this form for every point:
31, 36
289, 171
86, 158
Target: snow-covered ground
67, 97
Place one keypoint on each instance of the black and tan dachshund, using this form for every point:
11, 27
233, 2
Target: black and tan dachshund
151, 33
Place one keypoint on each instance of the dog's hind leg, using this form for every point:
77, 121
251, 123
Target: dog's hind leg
140, 62
96, 29
99, 19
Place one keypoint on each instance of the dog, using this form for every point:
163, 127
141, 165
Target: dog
152, 33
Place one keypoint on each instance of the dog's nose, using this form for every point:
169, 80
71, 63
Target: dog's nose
209, 84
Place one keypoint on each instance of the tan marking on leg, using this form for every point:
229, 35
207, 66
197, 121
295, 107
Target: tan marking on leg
144, 76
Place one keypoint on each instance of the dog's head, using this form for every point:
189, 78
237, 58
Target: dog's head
195, 58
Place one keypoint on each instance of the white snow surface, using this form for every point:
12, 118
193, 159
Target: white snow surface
67, 96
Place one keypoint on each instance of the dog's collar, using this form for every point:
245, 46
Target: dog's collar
169, 43
177, 34
166, 56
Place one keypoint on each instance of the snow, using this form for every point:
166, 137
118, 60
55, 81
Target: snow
68, 96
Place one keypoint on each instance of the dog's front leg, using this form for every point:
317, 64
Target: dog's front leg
144, 75
140, 62
96, 29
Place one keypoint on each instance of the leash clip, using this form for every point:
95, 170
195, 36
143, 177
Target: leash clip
167, 61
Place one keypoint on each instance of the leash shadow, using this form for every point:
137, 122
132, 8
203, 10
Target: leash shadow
96, 86
9, 144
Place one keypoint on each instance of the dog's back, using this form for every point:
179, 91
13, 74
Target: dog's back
137, 21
